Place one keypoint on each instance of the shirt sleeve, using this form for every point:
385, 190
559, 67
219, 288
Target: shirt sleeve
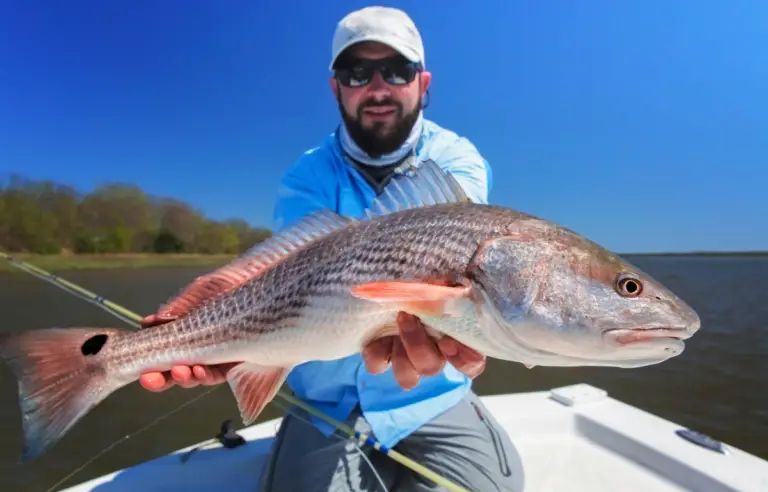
463, 161
299, 194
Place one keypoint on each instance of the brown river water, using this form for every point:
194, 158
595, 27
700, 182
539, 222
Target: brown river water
717, 386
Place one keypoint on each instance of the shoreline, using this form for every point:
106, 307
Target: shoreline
703, 254
182, 260
113, 261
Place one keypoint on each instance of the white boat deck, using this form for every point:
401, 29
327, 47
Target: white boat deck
569, 439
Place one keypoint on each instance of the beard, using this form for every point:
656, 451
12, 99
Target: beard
382, 138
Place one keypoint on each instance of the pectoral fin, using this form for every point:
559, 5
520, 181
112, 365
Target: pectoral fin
254, 386
417, 298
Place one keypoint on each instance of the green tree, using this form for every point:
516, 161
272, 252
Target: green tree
49, 217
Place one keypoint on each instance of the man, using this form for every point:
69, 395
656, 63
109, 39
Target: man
422, 406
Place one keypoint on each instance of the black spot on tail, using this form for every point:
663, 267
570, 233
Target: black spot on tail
93, 345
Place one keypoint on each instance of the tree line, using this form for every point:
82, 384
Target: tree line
45, 217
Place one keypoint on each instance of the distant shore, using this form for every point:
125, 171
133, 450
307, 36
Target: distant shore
57, 263
703, 253
54, 263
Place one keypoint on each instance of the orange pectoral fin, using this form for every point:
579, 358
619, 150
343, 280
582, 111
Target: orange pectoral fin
413, 297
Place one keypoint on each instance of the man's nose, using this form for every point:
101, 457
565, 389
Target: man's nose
379, 86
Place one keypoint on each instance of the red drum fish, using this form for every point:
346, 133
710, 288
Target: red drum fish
505, 283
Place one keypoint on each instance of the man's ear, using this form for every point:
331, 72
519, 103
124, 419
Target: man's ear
426, 78
334, 86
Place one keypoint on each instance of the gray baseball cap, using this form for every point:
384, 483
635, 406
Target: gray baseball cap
385, 25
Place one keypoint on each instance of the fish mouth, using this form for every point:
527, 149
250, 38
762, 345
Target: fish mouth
628, 336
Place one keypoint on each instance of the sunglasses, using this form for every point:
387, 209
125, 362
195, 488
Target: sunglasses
394, 71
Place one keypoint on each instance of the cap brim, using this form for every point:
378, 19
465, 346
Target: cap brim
401, 48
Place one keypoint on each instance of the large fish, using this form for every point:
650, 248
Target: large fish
509, 285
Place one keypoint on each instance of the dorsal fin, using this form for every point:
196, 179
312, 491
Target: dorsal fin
254, 261
290, 239
427, 185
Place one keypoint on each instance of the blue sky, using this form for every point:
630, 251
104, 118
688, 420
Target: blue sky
643, 125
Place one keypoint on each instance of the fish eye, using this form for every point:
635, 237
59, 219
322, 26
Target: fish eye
628, 286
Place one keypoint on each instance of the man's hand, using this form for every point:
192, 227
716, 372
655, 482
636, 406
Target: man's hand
414, 354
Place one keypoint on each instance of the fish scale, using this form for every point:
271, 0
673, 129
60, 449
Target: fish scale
504, 283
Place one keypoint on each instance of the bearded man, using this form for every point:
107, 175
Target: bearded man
412, 394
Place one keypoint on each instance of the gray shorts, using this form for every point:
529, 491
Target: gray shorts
464, 444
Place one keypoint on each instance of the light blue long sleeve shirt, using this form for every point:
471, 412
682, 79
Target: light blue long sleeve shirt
321, 178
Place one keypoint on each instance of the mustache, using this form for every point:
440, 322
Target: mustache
371, 103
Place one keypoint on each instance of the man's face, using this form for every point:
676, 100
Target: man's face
379, 115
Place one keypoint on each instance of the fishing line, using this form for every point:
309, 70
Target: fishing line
128, 436
293, 412
133, 319
75, 289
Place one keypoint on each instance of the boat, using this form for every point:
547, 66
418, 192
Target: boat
574, 438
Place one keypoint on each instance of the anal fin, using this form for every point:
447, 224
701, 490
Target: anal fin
254, 387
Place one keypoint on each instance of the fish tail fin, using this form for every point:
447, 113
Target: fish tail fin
60, 378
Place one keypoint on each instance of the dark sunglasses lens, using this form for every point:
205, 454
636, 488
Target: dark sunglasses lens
399, 74
355, 77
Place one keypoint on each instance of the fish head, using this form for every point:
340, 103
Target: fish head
553, 298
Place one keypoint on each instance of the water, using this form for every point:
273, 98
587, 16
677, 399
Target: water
718, 386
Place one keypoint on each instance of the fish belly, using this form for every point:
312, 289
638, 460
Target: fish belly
325, 331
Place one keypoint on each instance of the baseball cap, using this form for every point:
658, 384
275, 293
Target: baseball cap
385, 25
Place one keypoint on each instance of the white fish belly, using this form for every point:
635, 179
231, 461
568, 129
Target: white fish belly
329, 328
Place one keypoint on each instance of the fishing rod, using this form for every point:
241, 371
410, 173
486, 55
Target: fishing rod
133, 319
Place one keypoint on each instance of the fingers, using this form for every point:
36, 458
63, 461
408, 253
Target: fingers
402, 368
155, 381
421, 349
192, 376
415, 354
182, 376
186, 377
211, 375
377, 355
464, 359
161, 381
206, 376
